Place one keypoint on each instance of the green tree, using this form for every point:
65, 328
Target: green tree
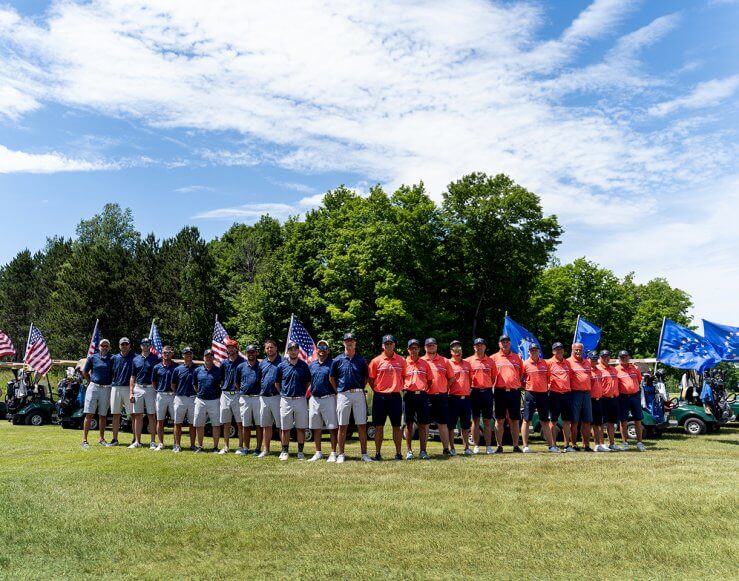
17, 284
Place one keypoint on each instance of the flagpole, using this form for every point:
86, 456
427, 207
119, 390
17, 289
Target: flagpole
27, 343
577, 324
659, 344
151, 329
289, 332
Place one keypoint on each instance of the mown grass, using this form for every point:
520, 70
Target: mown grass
670, 512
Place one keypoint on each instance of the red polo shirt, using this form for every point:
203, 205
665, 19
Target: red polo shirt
388, 373
536, 375
510, 370
559, 375
417, 375
609, 380
581, 377
629, 378
462, 377
484, 371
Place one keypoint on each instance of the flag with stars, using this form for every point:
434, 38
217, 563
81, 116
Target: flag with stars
521, 338
725, 339
37, 352
587, 334
156, 340
95, 340
218, 345
685, 349
6, 345
300, 335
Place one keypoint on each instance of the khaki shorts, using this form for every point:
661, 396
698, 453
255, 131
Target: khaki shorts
120, 399
250, 407
210, 408
184, 405
322, 413
348, 402
145, 399
269, 411
165, 403
230, 408
293, 411
97, 399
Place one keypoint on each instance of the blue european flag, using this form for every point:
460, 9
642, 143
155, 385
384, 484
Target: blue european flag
521, 338
685, 349
587, 334
725, 339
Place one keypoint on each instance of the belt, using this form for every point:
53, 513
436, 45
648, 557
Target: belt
481, 388
352, 390
508, 388
142, 385
458, 396
93, 384
595, 398
249, 395
165, 392
322, 396
273, 395
234, 392
293, 396
414, 391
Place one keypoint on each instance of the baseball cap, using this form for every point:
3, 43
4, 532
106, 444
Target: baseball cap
322, 345
231, 342
454, 343
533, 346
105, 341
480, 341
430, 341
593, 355
251, 348
350, 337
604, 352
623, 353
557, 345
414, 342
187, 350
388, 339
123, 340
207, 352
292, 345
145, 341
504, 338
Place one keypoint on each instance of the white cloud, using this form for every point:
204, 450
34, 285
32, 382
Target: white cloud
706, 94
193, 188
22, 162
248, 212
297, 187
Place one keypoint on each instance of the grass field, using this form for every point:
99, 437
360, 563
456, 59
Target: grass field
669, 512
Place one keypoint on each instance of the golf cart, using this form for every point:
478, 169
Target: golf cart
655, 407
27, 402
689, 412
733, 402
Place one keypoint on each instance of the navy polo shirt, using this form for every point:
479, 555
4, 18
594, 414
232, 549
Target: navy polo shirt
100, 368
184, 377
269, 375
143, 367
349, 373
228, 369
293, 379
208, 382
319, 377
248, 378
164, 376
122, 367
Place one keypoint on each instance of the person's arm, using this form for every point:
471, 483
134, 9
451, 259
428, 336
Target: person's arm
154, 381
449, 375
131, 382
86, 369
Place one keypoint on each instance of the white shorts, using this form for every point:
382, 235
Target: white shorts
97, 398
293, 411
184, 405
322, 413
207, 407
250, 406
165, 403
120, 399
145, 399
230, 408
269, 411
348, 402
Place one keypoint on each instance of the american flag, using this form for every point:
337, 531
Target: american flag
95, 341
218, 345
37, 352
6, 345
300, 335
156, 340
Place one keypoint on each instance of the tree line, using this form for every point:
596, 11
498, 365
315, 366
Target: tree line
381, 263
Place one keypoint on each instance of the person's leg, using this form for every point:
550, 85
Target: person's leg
86, 426
160, 431
116, 425
409, 436
397, 438
177, 435
379, 417
611, 429
137, 424
214, 413
266, 438
200, 430
192, 436
515, 434
317, 433
341, 438
332, 436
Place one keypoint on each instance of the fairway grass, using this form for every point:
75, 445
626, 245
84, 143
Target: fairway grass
669, 512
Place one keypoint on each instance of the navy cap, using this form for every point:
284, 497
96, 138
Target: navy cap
430, 341
557, 345
604, 352
480, 341
388, 339
251, 348
414, 342
187, 350
593, 355
207, 352
623, 353
504, 338
350, 337
533, 346
145, 341
455, 342
293, 345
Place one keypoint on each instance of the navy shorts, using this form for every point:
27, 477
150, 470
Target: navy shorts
560, 404
581, 410
481, 401
630, 403
460, 410
439, 404
611, 411
597, 406
416, 407
534, 401
384, 406
507, 402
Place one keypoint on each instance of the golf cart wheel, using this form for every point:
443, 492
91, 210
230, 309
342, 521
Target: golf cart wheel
694, 426
16, 420
370, 432
94, 423
308, 435
35, 419
631, 430
233, 431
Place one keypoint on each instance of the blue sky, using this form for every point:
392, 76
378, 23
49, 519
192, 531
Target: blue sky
621, 115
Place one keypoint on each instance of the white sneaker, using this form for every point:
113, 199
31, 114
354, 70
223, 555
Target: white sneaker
331, 457
152, 446
554, 449
263, 454
625, 446
134, 445
476, 450
640, 446
614, 448
239, 450
467, 452
316, 456
176, 449
85, 446
301, 456
340, 458
489, 450
409, 455
365, 458
452, 452
158, 448
284, 455
526, 450
569, 449
223, 450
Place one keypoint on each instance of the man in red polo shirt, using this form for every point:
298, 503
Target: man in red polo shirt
442, 377
581, 383
483, 373
507, 392
386, 377
560, 393
459, 398
415, 396
596, 402
536, 398
609, 382
629, 399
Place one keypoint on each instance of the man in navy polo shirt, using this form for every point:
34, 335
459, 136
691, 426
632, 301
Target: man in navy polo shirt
230, 395
183, 384
98, 371
322, 405
120, 390
162, 379
349, 376
269, 395
143, 392
293, 380
208, 380
248, 378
